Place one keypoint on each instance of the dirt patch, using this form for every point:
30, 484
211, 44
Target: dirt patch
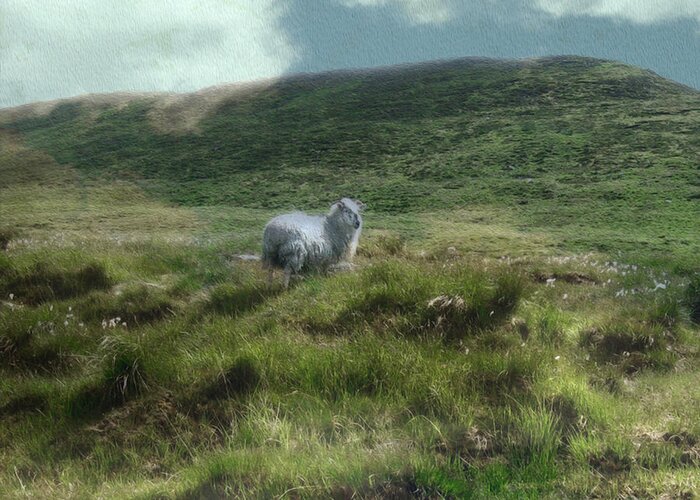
472, 444
682, 439
394, 489
610, 462
157, 412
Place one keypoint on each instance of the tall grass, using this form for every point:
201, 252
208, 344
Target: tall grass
120, 378
450, 303
45, 281
692, 298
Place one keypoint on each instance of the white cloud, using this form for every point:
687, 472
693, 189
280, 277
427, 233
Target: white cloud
58, 48
416, 11
638, 11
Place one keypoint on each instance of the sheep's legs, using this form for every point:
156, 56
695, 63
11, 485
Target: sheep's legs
287, 277
270, 277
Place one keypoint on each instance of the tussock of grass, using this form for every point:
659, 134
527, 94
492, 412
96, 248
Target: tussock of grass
121, 379
135, 305
382, 244
28, 402
665, 312
632, 345
240, 379
533, 436
496, 375
234, 299
451, 303
31, 343
7, 234
44, 281
549, 324
692, 298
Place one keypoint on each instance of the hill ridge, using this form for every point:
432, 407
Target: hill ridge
43, 107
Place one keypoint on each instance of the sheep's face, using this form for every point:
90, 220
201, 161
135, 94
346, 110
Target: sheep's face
355, 205
347, 215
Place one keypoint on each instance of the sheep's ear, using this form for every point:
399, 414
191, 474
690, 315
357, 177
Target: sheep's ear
361, 206
338, 204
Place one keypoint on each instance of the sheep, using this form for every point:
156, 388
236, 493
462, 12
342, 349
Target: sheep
299, 242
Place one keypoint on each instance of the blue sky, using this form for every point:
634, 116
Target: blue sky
51, 49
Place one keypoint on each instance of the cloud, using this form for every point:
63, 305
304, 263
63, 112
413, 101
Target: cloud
638, 11
416, 11
52, 49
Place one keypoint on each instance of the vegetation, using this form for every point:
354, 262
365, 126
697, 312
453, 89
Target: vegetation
522, 322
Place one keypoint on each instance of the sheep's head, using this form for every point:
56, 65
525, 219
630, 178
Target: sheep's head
348, 211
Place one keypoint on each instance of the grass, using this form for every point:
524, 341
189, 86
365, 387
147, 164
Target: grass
43, 282
692, 299
524, 332
231, 387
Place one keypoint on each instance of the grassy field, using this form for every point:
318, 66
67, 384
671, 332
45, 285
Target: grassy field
523, 321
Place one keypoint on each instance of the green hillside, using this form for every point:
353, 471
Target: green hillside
563, 143
522, 321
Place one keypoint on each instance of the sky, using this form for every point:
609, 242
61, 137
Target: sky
52, 49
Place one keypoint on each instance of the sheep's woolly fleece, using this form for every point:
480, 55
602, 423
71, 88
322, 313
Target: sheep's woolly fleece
298, 241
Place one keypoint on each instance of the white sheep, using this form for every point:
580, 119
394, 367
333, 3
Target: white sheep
299, 242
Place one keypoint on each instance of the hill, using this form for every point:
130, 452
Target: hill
522, 321
562, 142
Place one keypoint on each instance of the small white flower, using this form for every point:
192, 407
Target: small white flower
51, 307
550, 281
70, 308
65, 323
81, 324
124, 324
556, 358
12, 296
566, 296
491, 313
